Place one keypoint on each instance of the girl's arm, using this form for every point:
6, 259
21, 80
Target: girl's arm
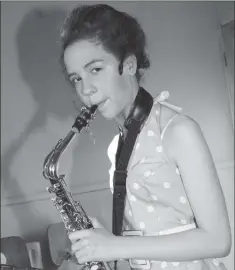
185, 145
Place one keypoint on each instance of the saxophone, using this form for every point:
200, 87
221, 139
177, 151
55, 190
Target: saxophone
71, 211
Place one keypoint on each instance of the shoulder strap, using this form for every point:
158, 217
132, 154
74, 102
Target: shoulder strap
166, 126
139, 112
162, 97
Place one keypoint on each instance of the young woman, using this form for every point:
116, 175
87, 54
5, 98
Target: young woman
174, 198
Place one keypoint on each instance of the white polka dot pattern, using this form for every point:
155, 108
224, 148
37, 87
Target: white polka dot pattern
183, 200
163, 265
133, 198
166, 185
154, 197
177, 171
150, 208
147, 173
159, 149
154, 186
150, 133
183, 221
136, 186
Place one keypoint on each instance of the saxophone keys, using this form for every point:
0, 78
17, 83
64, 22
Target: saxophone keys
77, 219
84, 109
54, 200
62, 211
59, 201
70, 227
85, 220
49, 189
56, 186
94, 267
76, 202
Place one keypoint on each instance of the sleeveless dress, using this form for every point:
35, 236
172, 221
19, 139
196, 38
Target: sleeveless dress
156, 202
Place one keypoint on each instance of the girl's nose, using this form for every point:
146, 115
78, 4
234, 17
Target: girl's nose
88, 90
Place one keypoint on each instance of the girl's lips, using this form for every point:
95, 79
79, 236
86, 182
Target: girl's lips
102, 104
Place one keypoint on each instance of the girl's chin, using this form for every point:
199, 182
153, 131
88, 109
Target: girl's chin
107, 115
105, 111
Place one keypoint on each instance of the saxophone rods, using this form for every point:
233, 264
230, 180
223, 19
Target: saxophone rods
72, 213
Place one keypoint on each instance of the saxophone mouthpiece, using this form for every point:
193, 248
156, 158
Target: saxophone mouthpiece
87, 114
93, 109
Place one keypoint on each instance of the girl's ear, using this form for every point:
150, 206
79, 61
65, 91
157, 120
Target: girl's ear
130, 65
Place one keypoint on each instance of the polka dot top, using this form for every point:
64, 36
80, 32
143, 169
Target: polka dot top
155, 198
156, 202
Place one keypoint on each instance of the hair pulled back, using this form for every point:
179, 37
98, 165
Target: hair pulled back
117, 32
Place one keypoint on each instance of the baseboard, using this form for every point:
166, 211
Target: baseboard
44, 195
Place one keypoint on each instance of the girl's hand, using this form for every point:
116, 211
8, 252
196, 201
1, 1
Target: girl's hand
92, 244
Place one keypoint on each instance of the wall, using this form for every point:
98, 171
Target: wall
187, 60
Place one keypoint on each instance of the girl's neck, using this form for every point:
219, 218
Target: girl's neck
121, 118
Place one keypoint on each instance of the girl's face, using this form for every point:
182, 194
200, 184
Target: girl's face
94, 73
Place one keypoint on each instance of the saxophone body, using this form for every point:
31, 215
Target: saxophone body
72, 213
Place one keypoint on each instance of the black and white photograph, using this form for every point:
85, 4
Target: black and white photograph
117, 135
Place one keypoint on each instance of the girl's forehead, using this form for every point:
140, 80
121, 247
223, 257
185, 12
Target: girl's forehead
82, 52
86, 48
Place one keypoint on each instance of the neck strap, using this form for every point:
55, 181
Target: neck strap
140, 109
138, 114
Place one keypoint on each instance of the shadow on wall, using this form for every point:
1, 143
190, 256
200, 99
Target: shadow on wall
38, 50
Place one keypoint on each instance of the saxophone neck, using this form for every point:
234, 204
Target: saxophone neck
50, 167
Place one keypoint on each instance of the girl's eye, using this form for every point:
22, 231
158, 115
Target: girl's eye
95, 70
75, 81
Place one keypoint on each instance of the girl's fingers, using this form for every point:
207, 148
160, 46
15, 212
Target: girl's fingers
83, 255
79, 245
77, 235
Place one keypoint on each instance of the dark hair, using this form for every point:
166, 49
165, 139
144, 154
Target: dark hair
118, 32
